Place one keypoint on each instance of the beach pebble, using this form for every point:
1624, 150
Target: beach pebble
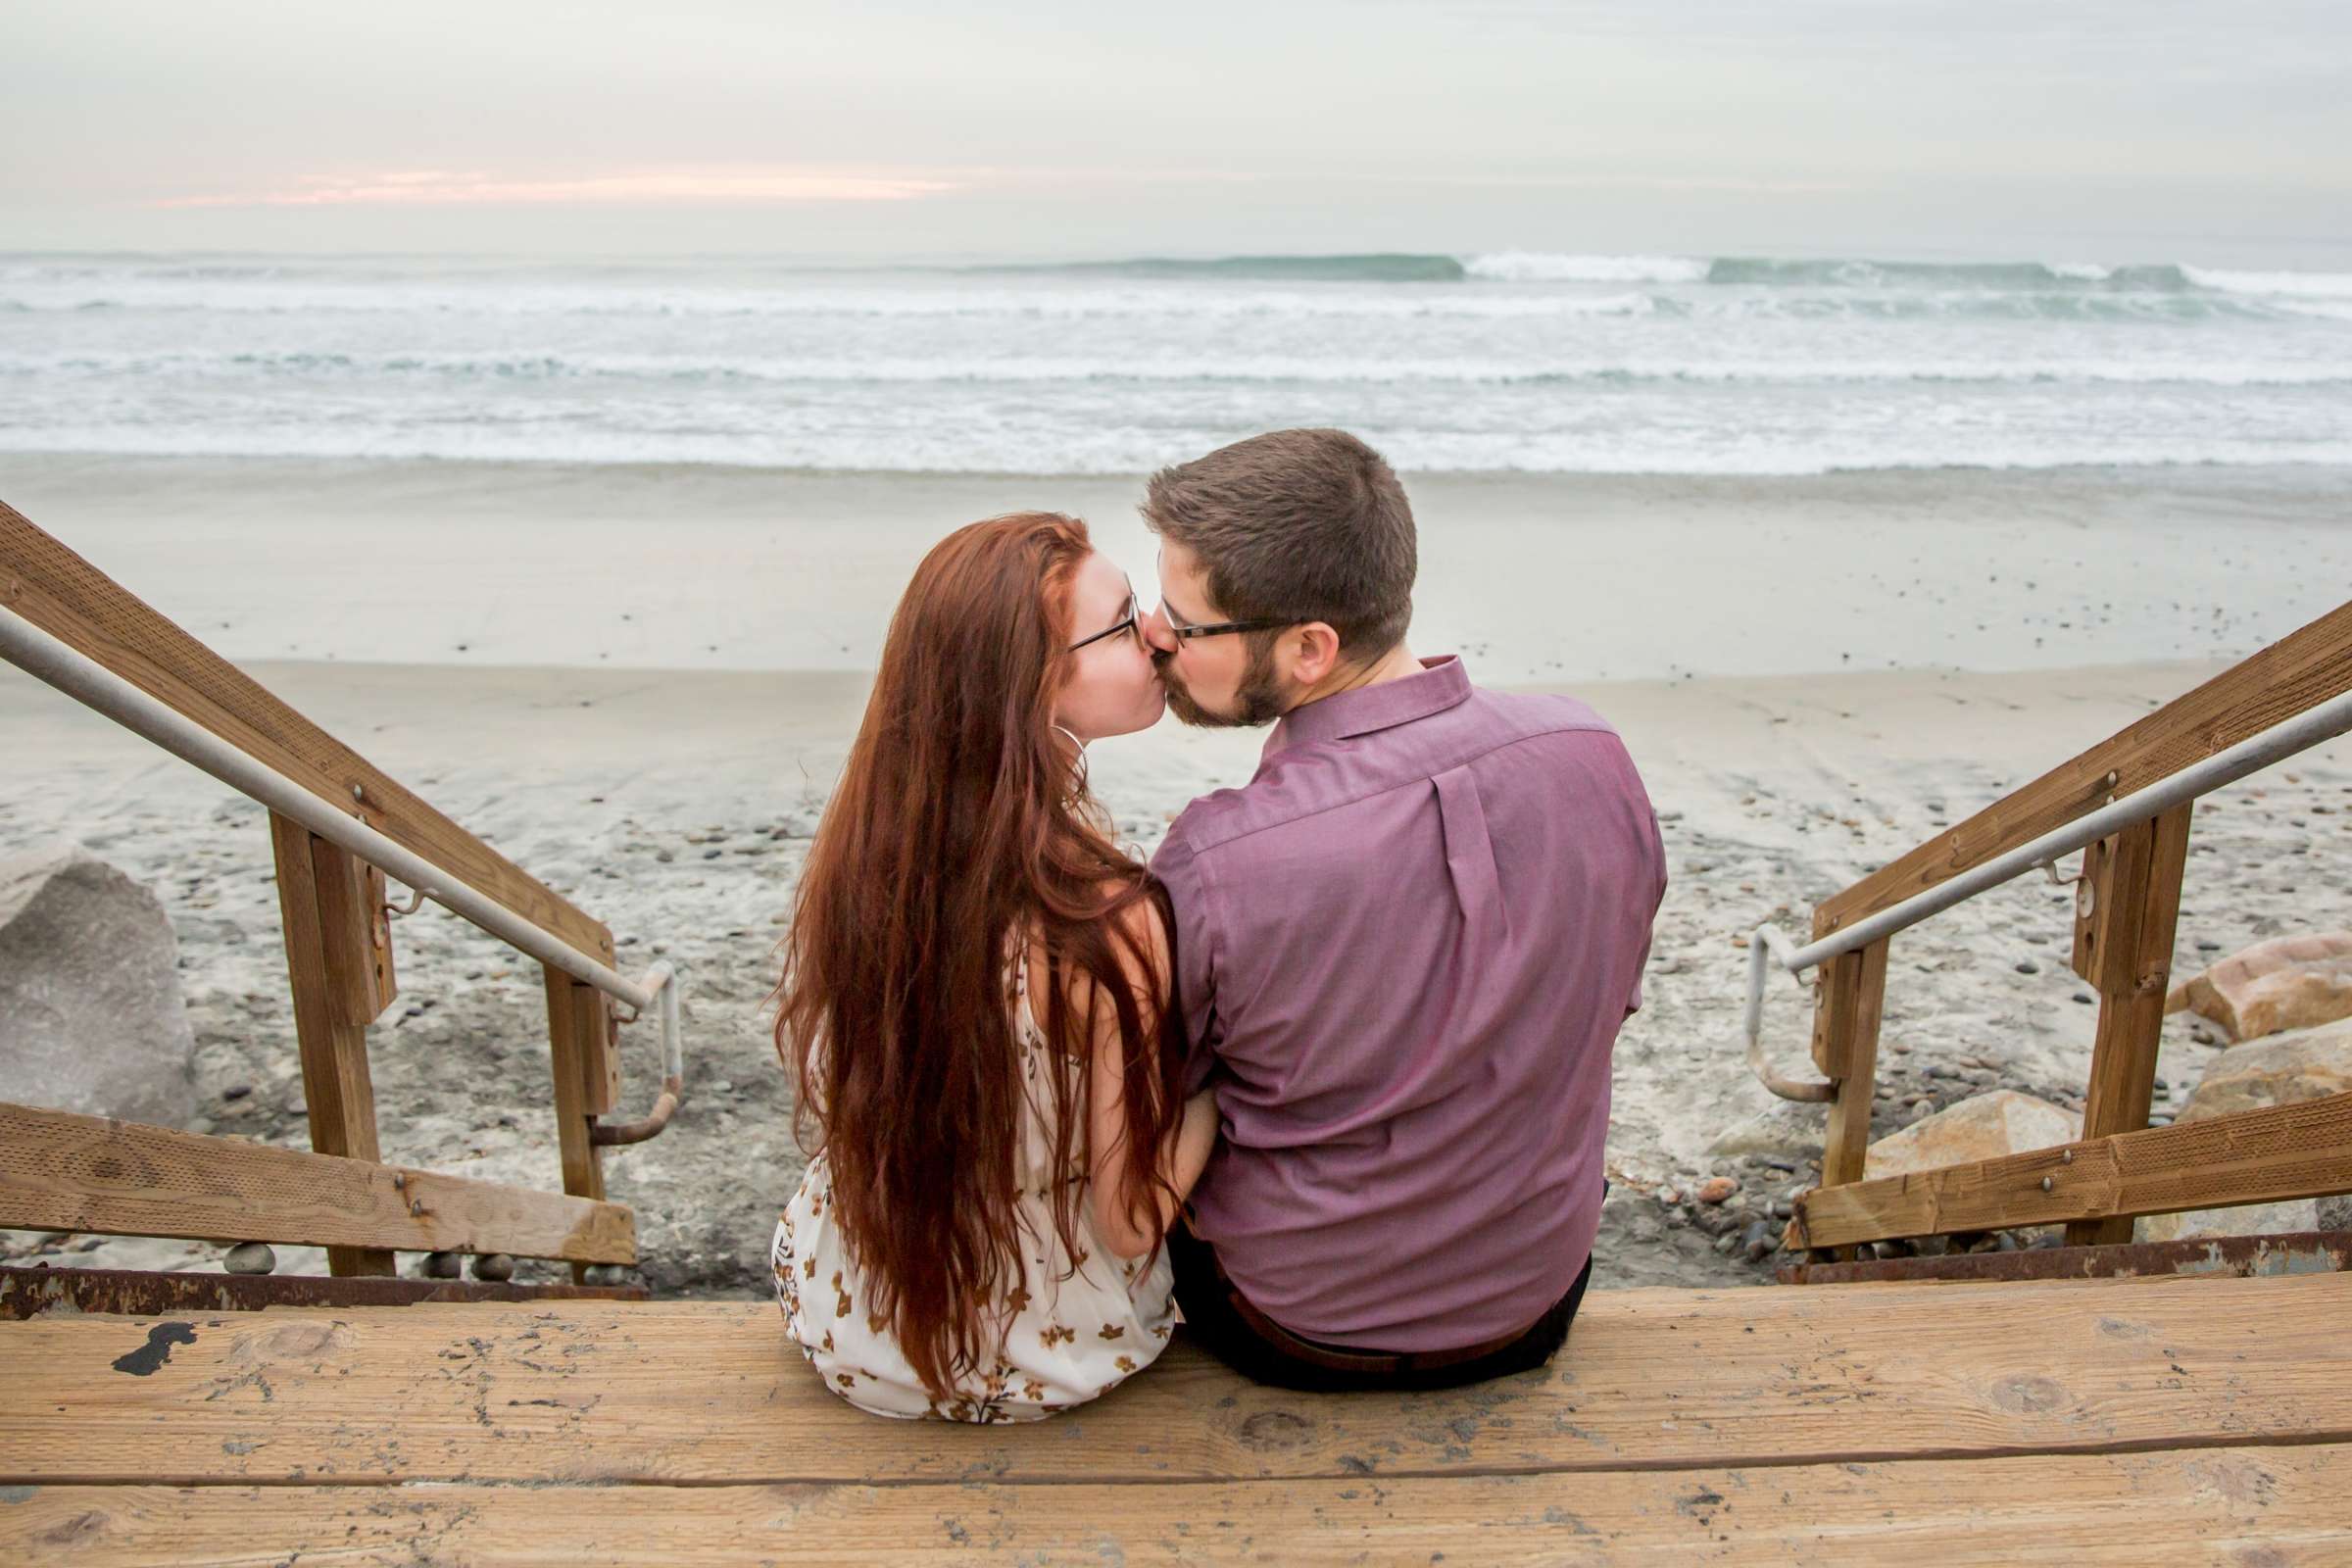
2028, 966
250, 1257
442, 1265
1757, 1240
1715, 1188
2085, 996
494, 1267
1727, 1240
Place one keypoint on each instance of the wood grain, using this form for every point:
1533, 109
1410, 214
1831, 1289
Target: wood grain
713, 1393
2243, 1505
63, 595
2299, 670
576, 1025
63, 1172
331, 974
1853, 996
2125, 948
2251, 1157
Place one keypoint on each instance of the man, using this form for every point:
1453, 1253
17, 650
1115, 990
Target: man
1403, 950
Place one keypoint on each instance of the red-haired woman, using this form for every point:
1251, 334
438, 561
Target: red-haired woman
975, 1006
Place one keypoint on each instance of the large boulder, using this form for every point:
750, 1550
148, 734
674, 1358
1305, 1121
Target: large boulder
2286, 983
1981, 1127
92, 1018
2305, 1064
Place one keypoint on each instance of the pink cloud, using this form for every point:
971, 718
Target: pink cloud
444, 188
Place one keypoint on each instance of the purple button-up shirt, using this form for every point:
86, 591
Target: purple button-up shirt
1405, 950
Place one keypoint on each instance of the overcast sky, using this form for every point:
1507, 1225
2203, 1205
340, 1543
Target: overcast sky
2154, 129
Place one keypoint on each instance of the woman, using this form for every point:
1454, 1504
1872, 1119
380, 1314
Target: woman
975, 1006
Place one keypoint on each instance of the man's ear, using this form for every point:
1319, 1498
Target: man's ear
1315, 653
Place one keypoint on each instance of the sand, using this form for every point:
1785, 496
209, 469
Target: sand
1539, 577
675, 804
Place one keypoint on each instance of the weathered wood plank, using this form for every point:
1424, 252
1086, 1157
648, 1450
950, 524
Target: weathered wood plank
2252, 1156
63, 1172
1853, 995
2305, 667
332, 973
63, 595
712, 1391
2274, 1506
2123, 946
577, 1031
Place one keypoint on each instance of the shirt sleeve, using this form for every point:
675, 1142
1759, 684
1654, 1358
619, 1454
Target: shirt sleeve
1657, 849
1187, 877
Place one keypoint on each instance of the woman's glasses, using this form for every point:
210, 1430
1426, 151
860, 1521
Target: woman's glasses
1127, 622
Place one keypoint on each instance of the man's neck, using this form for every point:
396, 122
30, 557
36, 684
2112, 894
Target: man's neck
1395, 664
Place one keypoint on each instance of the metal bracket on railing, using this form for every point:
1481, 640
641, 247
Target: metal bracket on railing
2058, 879
662, 991
401, 911
1767, 946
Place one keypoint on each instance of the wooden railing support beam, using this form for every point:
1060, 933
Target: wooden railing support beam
330, 967
2126, 910
580, 1035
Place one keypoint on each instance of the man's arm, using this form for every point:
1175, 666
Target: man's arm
1193, 893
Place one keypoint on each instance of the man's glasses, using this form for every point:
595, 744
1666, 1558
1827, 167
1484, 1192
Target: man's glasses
1215, 629
1127, 622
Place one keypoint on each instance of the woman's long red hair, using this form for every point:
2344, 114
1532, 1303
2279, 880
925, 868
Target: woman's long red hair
957, 835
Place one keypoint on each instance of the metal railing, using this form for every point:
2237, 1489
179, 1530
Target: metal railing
48, 659
1768, 945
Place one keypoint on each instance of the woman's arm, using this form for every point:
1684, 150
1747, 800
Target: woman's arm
1117, 1207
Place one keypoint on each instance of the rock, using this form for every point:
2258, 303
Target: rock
441, 1265
1715, 1188
1979, 1127
1791, 1132
2247, 1219
2294, 982
92, 1018
1758, 1240
495, 1267
2304, 1064
250, 1257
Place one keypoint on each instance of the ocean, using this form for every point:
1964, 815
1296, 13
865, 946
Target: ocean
1510, 362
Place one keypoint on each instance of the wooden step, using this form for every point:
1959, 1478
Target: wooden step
2268, 1506
712, 1393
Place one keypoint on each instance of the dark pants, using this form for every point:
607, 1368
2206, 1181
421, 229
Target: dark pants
1211, 1317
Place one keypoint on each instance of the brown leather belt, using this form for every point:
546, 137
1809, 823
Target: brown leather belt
1341, 1357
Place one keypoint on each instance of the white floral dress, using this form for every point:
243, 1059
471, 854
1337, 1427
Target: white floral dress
1079, 1327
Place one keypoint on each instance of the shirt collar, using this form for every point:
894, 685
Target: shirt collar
1441, 684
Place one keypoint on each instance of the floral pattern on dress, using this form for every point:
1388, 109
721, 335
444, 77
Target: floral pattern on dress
1043, 1364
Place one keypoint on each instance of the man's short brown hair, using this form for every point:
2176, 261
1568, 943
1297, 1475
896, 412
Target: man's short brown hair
1296, 525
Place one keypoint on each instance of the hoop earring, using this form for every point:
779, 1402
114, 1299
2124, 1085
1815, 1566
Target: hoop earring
1078, 764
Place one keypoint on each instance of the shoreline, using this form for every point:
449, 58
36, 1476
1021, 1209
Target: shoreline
676, 806
1534, 578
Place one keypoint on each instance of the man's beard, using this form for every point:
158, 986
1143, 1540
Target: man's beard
1258, 699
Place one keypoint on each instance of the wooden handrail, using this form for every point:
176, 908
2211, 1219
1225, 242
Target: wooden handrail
2299, 1150
2304, 669
2123, 938
63, 594
67, 1172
